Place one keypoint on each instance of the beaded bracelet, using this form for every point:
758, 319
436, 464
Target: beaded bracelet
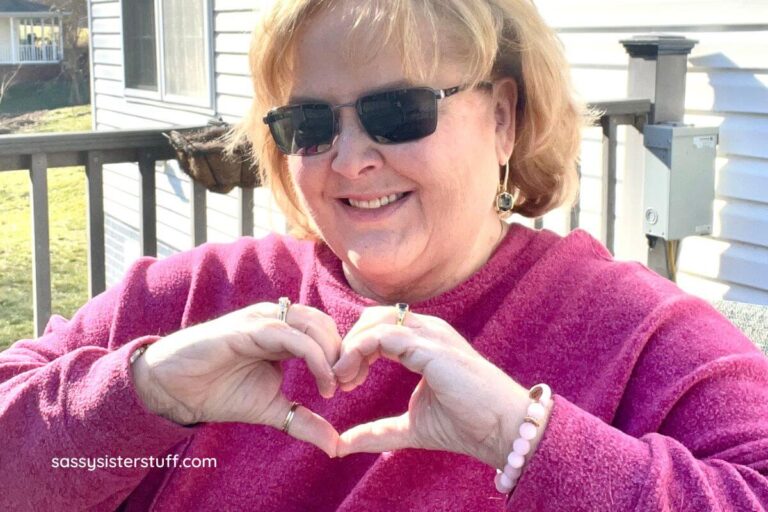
506, 479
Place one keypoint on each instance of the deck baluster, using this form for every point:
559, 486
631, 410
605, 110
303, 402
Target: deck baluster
41, 253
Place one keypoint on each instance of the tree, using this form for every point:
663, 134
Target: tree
6, 80
74, 68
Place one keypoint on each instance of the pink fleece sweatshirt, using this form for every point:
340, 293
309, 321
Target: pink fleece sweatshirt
660, 404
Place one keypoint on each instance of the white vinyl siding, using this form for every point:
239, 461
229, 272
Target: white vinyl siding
727, 86
231, 93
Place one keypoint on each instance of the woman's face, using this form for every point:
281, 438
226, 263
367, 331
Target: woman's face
449, 179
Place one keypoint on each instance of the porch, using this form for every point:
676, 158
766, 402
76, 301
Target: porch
27, 40
39, 153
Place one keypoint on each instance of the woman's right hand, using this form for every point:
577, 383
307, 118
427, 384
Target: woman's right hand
228, 369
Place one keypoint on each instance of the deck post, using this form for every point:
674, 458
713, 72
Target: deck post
657, 70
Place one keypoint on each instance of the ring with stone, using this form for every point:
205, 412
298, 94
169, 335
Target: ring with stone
402, 310
284, 303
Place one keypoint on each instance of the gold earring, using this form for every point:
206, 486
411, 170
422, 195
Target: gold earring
504, 200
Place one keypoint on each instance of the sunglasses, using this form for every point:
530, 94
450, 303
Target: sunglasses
388, 117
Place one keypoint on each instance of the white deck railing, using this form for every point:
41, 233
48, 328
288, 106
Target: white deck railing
30, 53
38, 53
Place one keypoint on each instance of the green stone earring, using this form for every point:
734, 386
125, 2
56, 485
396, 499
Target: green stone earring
504, 200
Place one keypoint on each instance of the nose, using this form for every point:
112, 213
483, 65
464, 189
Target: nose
354, 153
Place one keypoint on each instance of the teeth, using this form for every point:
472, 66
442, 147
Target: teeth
376, 203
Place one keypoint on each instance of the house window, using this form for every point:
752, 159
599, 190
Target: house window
140, 45
167, 50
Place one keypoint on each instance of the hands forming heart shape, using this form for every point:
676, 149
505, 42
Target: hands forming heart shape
228, 370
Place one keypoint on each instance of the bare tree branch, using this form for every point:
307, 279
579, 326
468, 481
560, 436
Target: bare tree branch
6, 80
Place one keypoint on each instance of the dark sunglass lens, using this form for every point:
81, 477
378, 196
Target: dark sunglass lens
302, 129
399, 116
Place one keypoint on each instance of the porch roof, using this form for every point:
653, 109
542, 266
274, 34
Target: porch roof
9, 7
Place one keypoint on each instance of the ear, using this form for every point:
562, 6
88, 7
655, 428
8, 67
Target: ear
505, 111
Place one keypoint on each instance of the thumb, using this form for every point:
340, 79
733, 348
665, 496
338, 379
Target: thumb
378, 436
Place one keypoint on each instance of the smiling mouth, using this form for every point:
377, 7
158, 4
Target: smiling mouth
376, 203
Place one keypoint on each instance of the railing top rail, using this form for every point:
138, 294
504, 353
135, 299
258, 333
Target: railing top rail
24, 144
621, 107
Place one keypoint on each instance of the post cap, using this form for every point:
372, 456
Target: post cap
654, 45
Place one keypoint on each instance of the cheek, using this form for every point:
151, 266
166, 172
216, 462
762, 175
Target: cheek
457, 170
301, 176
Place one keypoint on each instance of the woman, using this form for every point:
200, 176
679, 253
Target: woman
406, 316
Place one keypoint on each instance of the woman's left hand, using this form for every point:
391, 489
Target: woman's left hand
463, 403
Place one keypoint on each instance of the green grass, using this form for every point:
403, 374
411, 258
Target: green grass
50, 94
66, 200
71, 119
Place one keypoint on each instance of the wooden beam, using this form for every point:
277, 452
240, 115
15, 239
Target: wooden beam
97, 274
41, 253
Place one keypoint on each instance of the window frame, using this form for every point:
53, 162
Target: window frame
160, 96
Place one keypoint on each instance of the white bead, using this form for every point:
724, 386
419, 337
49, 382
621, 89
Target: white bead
536, 411
512, 473
515, 460
521, 446
527, 431
505, 481
499, 487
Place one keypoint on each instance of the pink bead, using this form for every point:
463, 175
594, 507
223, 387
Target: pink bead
521, 446
506, 482
516, 460
527, 431
512, 473
536, 411
499, 487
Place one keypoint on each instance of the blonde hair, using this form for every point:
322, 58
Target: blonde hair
491, 38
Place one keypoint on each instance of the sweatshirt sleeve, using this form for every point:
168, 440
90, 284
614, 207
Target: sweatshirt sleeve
70, 394
690, 432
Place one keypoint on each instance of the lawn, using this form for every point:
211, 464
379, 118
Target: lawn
66, 199
50, 94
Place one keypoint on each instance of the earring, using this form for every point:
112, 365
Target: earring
504, 200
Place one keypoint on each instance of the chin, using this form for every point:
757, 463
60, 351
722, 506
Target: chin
377, 260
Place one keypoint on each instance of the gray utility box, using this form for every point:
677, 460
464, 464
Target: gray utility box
679, 180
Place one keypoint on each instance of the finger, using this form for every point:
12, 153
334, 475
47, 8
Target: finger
276, 338
378, 436
378, 315
371, 319
305, 425
397, 343
362, 373
353, 353
359, 378
318, 325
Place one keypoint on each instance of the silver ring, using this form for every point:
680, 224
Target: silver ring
285, 304
402, 310
289, 417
